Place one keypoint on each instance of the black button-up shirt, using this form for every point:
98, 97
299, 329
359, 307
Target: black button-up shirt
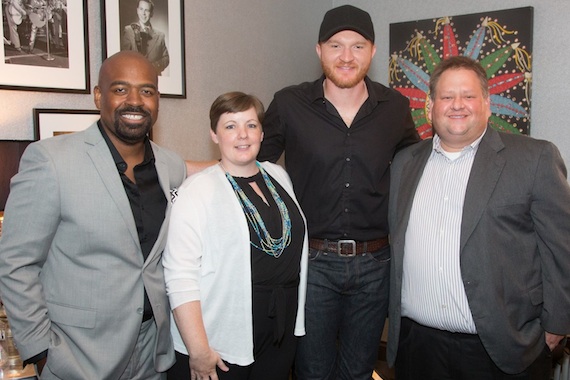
341, 175
147, 200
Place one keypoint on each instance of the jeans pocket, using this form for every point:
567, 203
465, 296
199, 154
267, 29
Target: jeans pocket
381, 256
314, 254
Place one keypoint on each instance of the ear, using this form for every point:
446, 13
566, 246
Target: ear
488, 106
262, 136
318, 49
214, 137
97, 97
429, 107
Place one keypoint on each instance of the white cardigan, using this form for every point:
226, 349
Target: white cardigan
208, 258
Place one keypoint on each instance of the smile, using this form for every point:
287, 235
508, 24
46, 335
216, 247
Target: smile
133, 117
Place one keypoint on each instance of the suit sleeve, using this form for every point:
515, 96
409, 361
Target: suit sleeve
550, 211
163, 62
31, 218
128, 39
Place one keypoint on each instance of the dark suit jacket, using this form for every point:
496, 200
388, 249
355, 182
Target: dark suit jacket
72, 274
515, 244
155, 50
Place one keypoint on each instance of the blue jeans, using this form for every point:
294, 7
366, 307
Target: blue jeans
347, 305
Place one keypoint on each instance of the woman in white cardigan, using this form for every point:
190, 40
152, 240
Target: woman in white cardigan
236, 258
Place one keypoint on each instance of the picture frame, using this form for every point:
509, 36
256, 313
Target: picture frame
50, 51
502, 41
122, 30
53, 122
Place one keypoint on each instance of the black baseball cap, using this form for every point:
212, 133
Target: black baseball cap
346, 17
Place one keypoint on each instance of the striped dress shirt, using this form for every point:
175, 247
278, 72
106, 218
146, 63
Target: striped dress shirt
432, 288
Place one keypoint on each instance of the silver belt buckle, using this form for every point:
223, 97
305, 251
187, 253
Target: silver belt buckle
342, 243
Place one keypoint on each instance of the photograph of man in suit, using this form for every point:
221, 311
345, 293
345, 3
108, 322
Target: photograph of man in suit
480, 236
142, 37
81, 272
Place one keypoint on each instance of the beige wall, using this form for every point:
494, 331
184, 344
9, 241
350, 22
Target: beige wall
259, 46
256, 46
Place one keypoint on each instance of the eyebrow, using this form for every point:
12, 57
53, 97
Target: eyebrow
125, 83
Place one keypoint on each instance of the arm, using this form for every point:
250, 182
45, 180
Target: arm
164, 60
550, 212
182, 261
31, 221
128, 39
193, 167
273, 143
18, 7
203, 359
410, 135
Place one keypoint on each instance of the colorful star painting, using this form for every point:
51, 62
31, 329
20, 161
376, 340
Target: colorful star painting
501, 41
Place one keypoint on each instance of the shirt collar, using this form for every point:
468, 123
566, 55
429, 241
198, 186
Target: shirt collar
436, 146
375, 94
121, 164
145, 27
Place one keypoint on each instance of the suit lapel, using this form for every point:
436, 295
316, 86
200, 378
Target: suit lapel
411, 174
164, 181
103, 162
163, 171
485, 172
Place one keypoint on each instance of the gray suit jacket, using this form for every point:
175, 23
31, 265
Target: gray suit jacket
515, 244
156, 50
71, 267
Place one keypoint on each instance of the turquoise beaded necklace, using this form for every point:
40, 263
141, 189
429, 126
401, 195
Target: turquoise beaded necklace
268, 244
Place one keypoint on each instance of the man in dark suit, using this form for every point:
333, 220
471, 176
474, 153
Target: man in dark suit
84, 229
142, 37
480, 236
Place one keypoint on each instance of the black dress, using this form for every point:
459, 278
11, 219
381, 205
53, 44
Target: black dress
275, 288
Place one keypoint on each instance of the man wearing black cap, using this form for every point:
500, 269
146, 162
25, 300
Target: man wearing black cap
339, 134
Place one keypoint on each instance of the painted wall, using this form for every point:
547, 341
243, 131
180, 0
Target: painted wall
260, 46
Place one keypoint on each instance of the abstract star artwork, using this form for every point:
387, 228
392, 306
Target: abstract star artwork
500, 40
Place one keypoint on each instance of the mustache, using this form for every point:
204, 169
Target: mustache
132, 109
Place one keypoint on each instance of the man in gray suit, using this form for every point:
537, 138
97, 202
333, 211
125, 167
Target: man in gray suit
480, 236
81, 251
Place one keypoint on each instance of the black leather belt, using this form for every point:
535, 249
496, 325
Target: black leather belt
348, 247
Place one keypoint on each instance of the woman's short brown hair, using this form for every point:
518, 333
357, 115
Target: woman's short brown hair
233, 102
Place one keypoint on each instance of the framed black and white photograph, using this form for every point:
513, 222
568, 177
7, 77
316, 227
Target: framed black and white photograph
155, 28
54, 122
45, 46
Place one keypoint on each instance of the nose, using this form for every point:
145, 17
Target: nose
346, 55
134, 98
242, 132
457, 103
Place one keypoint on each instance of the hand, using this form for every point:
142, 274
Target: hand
203, 366
552, 340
